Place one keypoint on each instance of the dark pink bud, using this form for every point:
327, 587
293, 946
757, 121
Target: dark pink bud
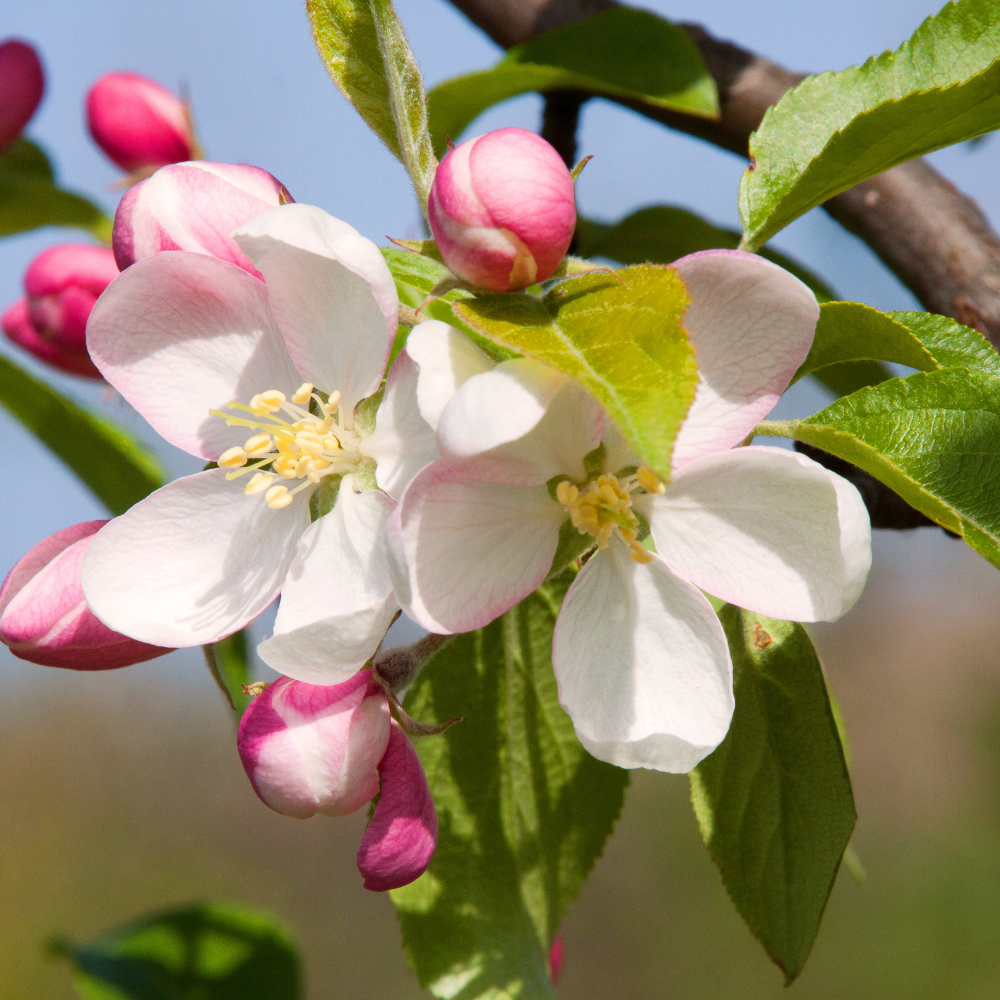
139, 123
22, 84
44, 617
557, 955
193, 206
310, 749
62, 284
400, 839
502, 210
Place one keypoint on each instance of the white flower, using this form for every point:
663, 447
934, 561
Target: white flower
640, 657
264, 378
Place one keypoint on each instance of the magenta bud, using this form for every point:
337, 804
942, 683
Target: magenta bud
44, 617
22, 84
62, 284
193, 206
308, 748
502, 210
557, 956
138, 123
400, 839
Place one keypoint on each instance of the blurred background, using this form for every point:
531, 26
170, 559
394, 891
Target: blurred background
122, 792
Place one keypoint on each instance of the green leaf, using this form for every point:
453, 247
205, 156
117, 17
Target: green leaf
524, 810
208, 952
835, 130
117, 467
25, 159
632, 54
933, 438
619, 335
29, 203
227, 662
774, 800
368, 57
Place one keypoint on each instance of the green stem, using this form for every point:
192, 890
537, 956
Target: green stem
775, 428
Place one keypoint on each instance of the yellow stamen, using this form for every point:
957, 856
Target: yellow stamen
258, 445
302, 394
604, 507
259, 482
331, 406
285, 466
232, 458
640, 554
648, 481
278, 497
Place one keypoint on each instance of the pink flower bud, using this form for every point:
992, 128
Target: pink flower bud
502, 209
44, 617
400, 839
557, 956
138, 123
22, 84
62, 284
193, 206
307, 748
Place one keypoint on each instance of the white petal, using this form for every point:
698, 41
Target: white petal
618, 453
178, 334
447, 360
337, 601
193, 562
766, 529
642, 664
521, 422
332, 294
751, 324
402, 442
464, 551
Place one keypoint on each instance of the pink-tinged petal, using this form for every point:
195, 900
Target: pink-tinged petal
447, 360
402, 442
464, 551
179, 334
22, 83
332, 294
399, 842
642, 664
311, 749
45, 619
751, 324
193, 562
768, 530
337, 601
521, 422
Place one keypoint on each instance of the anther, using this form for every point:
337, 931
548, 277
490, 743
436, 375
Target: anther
232, 458
566, 492
331, 406
258, 445
259, 482
285, 466
303, 393
648, 481
268, 402
640, 554
278, 497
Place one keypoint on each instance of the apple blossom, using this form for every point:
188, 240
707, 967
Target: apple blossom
44, 617
641, 660
62, 284
138, 123
193, 206
215, 360
22, 83
502, 210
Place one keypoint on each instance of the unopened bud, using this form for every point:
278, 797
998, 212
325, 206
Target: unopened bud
44, 617
400, 839
62, 284
557, 956
138, 123
502, 210
22, 84
310, 749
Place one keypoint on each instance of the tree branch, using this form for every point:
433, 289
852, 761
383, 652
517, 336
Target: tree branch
934, 239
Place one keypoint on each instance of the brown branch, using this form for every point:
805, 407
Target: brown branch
560, 118
935, 239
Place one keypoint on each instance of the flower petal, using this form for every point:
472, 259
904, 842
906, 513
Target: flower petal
642, 664
402, 442
521, 422
751, 324
447, 359
332, 294
767, 529
178, 334
464, 551
337, 601
193, 562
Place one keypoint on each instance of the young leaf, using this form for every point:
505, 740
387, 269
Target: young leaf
933, 438
524, 810
227, 663
627, 53
837, 129
25, 159
620, 335
117, 468
368, 57
213, 952
28, 201
774, 801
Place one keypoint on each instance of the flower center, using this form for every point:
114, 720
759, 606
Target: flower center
604, 506
289, 442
